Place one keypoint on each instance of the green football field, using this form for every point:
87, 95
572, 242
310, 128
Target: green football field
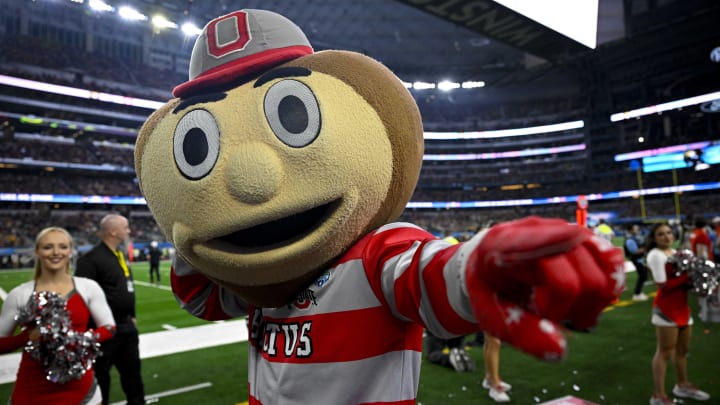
611, 365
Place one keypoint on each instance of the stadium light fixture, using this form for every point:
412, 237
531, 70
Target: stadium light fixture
190, 29
129, 13
423, 86
99, 5
159, 21
444, 85
448, 85
472, 84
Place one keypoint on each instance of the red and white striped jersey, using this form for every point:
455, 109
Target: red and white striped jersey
355, 335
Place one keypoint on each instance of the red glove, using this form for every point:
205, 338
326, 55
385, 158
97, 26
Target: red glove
104, 333
12, 343
679, 282
527, 276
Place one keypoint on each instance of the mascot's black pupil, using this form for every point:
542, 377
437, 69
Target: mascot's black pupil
293, 114
195, 146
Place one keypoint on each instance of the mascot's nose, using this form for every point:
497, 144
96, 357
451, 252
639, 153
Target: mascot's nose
254, 173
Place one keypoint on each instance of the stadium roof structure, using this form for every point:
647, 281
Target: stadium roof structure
480, 40
470, 40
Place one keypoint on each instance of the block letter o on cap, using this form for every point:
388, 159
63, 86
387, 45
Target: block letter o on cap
228, 34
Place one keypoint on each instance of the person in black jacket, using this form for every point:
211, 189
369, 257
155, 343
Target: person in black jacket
106, 264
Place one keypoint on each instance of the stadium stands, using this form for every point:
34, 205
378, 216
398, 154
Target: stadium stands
60, 144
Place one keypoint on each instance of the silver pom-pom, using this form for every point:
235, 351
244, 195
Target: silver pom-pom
65, 354
704, 275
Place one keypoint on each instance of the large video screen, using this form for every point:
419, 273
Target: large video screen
698, 155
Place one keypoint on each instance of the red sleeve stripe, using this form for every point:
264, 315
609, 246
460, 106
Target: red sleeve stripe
389, 275
420, 291
437, 295
412, 292
407, 293
432, 284
387, 254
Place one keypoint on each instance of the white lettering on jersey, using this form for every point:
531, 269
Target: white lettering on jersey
296, 339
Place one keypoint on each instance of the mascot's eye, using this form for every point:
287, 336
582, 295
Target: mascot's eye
197, 144
293, 113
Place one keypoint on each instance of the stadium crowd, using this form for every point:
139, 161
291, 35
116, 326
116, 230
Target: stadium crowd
50, 148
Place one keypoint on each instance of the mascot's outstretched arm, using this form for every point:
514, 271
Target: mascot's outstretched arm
518, 281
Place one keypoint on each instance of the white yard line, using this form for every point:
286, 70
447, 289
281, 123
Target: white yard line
152, 398
146, 284
196, 337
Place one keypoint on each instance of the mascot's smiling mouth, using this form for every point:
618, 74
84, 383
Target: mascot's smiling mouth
280, 231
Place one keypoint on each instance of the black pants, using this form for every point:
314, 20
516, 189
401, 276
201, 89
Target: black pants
121, 351
642, 276
154, 272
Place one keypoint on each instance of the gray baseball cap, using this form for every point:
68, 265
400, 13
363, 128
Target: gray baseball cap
239, 44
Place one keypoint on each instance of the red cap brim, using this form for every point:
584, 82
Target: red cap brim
230, 71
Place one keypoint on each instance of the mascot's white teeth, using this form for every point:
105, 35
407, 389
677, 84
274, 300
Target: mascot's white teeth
279, 231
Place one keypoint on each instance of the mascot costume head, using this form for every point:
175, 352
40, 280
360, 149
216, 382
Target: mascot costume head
275, 159
277, 171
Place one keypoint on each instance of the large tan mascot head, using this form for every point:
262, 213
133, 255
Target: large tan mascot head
273, 159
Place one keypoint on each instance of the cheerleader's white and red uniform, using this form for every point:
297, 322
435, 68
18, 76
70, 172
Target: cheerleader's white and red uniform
670, 306
31, 385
